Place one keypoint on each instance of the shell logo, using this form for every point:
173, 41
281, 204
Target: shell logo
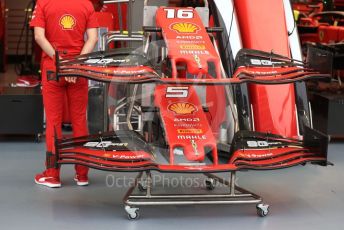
185, 27
67, 22
182, 108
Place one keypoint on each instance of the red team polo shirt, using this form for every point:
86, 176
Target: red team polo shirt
65, 23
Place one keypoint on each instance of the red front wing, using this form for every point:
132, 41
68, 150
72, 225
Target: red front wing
250, 150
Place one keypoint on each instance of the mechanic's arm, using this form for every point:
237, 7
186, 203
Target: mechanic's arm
47, 47
43, 42
92, 39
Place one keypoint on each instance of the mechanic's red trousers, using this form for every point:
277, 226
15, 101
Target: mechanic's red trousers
54, 98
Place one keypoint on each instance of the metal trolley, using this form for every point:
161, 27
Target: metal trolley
235, 195
143, 182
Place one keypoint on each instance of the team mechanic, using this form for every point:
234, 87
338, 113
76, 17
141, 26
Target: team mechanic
61, 26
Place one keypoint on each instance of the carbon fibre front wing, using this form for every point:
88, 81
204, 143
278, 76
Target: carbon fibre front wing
127, 151
129, 67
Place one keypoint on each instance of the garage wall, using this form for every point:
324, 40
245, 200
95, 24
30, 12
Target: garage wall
138, 11
15, 16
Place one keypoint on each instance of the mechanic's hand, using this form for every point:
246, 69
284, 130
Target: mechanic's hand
70, 79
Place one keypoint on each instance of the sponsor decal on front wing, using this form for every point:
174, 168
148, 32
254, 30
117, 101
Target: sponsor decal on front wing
182, 108
190, 131
104, 144
192, 137
185, 27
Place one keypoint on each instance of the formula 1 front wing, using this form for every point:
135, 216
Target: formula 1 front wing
178, 105
126, 151
133, 67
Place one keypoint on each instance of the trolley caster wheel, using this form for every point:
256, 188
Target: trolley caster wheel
210, 183
142, 186
133, 213
262, 210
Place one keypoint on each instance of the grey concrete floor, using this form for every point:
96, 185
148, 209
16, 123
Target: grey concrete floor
310, 197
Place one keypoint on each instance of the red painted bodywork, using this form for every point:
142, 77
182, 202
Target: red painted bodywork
184, 126
292, 153
319, 32
331, 34
195, 55
216, 108
266, 102
265, 29
308, 8
146, 74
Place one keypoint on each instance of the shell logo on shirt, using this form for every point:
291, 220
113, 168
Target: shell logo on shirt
67, 22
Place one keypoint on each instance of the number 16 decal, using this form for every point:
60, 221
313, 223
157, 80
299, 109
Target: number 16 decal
181, 13
177, 92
